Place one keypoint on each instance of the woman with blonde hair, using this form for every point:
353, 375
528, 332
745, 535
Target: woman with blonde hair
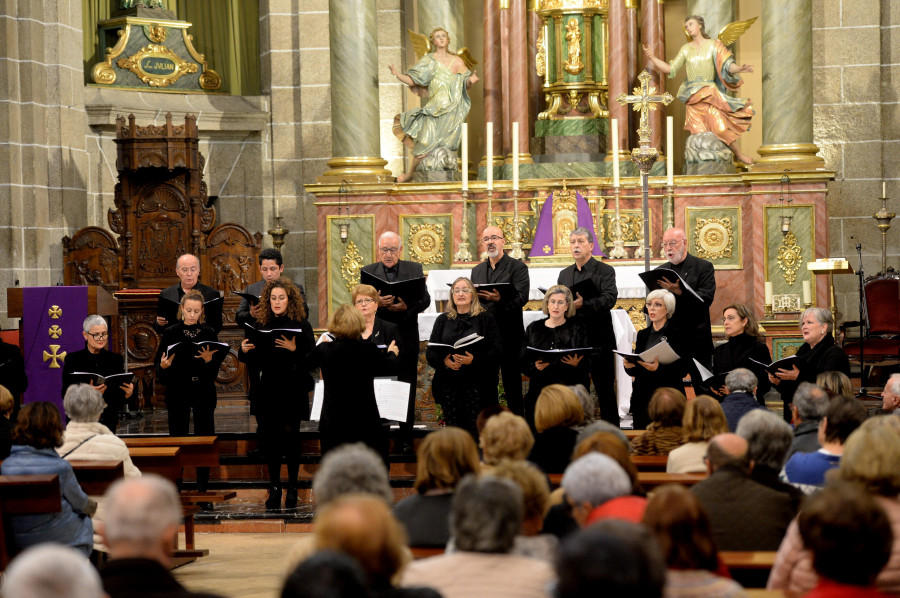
465, 379
557, 411
703, 419
506, 436
835, 384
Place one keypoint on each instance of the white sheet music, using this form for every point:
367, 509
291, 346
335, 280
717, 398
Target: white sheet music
392, 398
318, 398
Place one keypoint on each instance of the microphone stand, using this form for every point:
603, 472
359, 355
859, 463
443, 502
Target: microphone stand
863, 315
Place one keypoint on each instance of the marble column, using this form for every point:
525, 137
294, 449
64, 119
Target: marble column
787, 95
505, 122
355, 120
716, 13
618, 75
447, 14
653, 33
518, 76
492, 75
633, 29
535, 82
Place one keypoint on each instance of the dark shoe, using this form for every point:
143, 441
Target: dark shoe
274, 500
290, 499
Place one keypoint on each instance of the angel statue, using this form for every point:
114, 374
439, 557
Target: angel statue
711, 71
441, 78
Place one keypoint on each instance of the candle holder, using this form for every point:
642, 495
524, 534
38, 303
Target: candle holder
279, 233
489, 220
463, 253
768, 310
668, 213
618, 251
807, 305
516, 253
883, 218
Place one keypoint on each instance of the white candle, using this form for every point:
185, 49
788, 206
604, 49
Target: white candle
465, 157
769, 293
275, 202
615, 150
883, 189
515, 155
490, 156
807, 292
670, 152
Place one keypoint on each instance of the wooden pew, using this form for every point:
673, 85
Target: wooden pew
419, 552
196, 451
650, 462
95, 477
630, 434
163, 460
24, 495
747, 560
651, 480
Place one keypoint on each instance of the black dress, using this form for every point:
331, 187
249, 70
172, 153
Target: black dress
570, 335
349, 410
463, 393
824, 357
190, 385
383, 332
645, 381
104, 363
737, 353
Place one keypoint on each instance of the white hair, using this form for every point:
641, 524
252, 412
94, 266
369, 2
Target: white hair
51, 571
93, 320
83, 403
389, 233
893, 384
595, 478
139, 510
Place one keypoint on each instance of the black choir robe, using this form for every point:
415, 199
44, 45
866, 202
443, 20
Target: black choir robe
737, 353
691, 315
175, 293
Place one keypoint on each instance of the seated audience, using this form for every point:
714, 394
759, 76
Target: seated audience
612, 558
871, 461
363, 527
51, 571
7, 403
836, 384
609, 444
850, 538
891, 396
557, 411
444, 458
810, 402
141, 533
744, 514
536, 497
665, 432
505, 436
588, 404
741, 385
327, 574
769, 439
37, 433
703, 419
591, 481
677, 520
485, 519
807, 470
603, 426
487, 413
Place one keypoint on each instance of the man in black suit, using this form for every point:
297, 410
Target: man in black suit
691, 314
596, 316
405, 315
271, 267
187, 267
507, 311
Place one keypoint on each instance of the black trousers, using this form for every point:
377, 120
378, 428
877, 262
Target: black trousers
603, 375
511, 374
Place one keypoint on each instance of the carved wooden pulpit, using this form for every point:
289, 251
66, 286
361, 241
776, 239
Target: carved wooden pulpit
161, 213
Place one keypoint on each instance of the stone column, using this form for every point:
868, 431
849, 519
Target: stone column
787, 74
653, 33
505, 122
518, 76
535, 83
716, 13
618, 75
447, 14
633, 29
492, 75
355, 140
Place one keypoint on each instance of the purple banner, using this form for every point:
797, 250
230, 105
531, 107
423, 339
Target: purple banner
51, 321
543, 244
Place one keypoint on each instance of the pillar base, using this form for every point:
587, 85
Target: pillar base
788, 156
356, 169
523, 159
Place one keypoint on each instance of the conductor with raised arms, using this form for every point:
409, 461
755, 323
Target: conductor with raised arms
187, 267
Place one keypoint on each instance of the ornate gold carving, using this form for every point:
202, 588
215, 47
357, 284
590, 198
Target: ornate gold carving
632, 226
714, 238
790, 256
167, 66
102, 72
426, 243
54, 355
54, 312
573, 64
644, 101
209, 79
540, 64
351, 264
156, 33
55, 331
635, 310
786, 303
508, 225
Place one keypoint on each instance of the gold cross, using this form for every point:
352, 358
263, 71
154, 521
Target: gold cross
644, 101
54, 356
55, 331
54, 312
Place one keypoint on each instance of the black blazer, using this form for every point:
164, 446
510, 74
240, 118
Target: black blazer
407, 321
243, 312
596, 312
691, 315
824, 357
174, 292
383, 333
507, 313
736, 353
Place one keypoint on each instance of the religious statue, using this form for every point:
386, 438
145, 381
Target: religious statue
711, 72
574, 64
442, 79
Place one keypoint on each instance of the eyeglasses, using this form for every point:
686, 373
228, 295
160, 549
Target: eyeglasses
365, 301
191, 270
491, 238
666, 244
656, 304
461, 291
389, 249
99, 336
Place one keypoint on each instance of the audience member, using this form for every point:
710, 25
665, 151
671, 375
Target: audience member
487, 413
51, 571
665, 432
7, 404
836, 384
603, 426
486, 518
810, 402
591, 481
141, 532
444, 458
536, 499
557, 411
326, 574
677, 520
871, 461
850, 538
745, 515
769, 438
741, 385
588, 405
703, 419
609, 444
612, 558
891, 395
37, 433
505, 436
807, 470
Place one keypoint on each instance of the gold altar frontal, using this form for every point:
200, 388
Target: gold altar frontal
734, 221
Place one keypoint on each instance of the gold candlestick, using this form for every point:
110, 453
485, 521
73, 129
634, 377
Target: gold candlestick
516, 253
463, 253
883, 217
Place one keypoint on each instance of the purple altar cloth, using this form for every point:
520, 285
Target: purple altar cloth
543, 236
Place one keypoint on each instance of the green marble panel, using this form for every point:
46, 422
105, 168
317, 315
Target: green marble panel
793, 250
346, 259
550, 77
574, 126
428, 240
567, 76
714, 234
785, 347
599, 48
569, 170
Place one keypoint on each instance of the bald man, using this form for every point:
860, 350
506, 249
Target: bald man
187, 268
506, 309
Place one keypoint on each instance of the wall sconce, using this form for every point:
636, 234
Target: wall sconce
785, 218
343, 226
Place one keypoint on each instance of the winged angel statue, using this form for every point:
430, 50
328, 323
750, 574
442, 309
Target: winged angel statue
711, 72
441, 78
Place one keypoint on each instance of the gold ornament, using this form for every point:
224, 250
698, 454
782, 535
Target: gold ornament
790, 256
54, 355
351, 264
54, 312
714, 238
55, 331
426, 242
166, 67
